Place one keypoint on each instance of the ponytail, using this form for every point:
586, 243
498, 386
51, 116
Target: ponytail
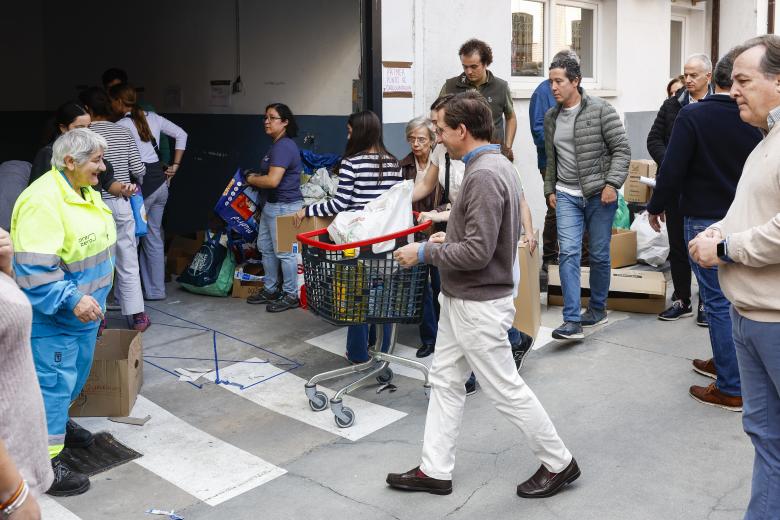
127, 95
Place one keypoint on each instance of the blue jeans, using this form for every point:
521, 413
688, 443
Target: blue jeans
758, 351
574, 214
266, 243
430, 322
717, 308
359, 337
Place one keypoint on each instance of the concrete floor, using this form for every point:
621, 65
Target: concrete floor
619, 400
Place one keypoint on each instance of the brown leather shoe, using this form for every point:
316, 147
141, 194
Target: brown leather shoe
705, 367
712, 396
545, 484
416, 480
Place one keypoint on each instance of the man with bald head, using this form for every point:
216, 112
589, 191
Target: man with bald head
698, 72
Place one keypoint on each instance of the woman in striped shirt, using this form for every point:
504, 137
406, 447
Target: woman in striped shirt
123, 155
366, 172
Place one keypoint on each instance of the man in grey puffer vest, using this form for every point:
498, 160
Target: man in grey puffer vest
587, 162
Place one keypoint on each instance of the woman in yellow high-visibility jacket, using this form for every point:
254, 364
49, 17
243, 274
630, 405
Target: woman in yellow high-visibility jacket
64, 238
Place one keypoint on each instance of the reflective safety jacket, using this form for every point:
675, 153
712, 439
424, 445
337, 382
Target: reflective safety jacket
63, 249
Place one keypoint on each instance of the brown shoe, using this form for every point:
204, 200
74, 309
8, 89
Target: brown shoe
416, 480
545, 484
712, 396
705, 367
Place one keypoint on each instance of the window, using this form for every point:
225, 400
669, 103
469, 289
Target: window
541, 28
676, 48
527, 38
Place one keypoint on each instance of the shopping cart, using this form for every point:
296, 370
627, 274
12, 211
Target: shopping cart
348, 284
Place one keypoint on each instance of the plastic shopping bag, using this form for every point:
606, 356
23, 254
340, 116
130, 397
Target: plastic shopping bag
389, 213
622, 217
211, 270
237, 206
139, 214
651, 247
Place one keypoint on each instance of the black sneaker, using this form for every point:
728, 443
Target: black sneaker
701, 316
471, 386
67, 483
426, 350
519, 350
679, 309
286, 302
263, 296
592, 317
569, 330
76, 436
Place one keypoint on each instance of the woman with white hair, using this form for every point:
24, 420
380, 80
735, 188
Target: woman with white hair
421, 136
64, 239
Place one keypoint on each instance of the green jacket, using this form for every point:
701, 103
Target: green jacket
496, 92
603, 153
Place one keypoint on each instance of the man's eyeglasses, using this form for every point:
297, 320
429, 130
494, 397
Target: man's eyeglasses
418, 140
439, 130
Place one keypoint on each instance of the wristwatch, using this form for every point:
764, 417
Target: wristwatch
723, 251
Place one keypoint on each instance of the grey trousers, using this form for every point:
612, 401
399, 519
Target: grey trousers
127, 285
152, 255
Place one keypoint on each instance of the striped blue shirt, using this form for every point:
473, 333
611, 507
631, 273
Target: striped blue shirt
359, 184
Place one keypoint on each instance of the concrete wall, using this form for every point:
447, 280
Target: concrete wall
304, 53
740, 20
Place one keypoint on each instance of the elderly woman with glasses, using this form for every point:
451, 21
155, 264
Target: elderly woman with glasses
64, 238
421, 136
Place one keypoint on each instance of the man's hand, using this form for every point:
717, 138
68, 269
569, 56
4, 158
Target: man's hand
711, 233
608, 195
87, 309
407, 255
6, 253
655, 221
530, 241
508, 153
298, 217
552, 200
29, 510
704, 250
438, 237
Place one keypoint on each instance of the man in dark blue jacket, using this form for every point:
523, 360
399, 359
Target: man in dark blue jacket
700, 170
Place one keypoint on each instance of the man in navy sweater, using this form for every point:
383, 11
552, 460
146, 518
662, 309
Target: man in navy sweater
700, 170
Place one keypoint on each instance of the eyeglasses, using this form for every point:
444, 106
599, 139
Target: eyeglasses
272, 118
418, 140
440, 130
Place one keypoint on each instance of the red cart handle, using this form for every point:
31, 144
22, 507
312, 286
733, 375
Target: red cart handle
308, 237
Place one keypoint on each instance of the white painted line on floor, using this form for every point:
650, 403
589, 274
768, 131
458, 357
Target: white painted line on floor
207, 468
336, 341
53, 510
284, 394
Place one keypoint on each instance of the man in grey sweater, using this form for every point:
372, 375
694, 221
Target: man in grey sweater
475, 260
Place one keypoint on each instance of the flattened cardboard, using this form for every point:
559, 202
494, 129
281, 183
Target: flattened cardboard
630, 290
115, 378
286, 231
622, 248
528, 306
633, 190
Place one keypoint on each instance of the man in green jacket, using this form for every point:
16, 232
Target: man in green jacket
587, 162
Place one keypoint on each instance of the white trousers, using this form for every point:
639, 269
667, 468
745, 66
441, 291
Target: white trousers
127, 279
473, 336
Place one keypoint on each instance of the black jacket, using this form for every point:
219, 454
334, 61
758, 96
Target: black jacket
658, 138
704, 160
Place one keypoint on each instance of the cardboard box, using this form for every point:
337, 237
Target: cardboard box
633, 190
630, 290
185, 245
286, 231
528, 306
115, 378
622, 248
247, 280
177, 261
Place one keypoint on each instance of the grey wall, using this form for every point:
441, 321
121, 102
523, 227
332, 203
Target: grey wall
638, 125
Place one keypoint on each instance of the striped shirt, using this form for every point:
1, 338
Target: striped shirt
359, 184
122, 153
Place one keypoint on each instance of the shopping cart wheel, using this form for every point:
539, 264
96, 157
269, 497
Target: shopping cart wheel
385, 376
346, 419
427, 390
319, 402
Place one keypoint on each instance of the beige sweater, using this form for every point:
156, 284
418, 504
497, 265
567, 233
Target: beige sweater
752, 226
22, 418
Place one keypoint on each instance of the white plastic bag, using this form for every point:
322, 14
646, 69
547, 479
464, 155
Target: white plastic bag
651, 248
323, 179
389, 213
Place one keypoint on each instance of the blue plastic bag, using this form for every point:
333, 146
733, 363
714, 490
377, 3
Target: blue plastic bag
139, 214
